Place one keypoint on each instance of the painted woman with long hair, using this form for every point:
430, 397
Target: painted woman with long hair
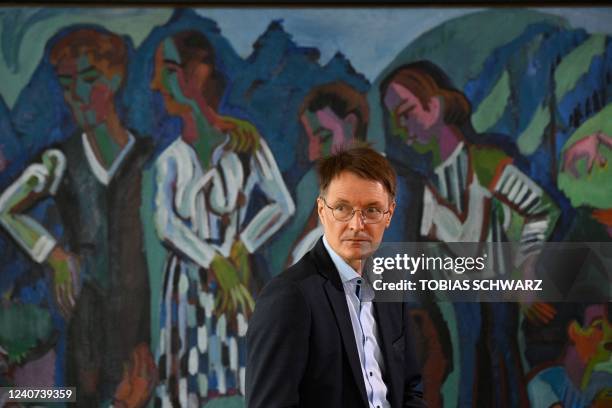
205, 180
472, 193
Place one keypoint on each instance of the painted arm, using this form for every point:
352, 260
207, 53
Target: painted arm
586, 148
306, 243
532, 219
171, 227
537, 211
290, 243
265, 174
38, 181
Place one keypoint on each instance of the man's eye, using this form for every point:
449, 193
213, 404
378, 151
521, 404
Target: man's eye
373, 210
343, 210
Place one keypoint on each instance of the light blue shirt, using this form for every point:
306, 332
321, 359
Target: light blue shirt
359, 296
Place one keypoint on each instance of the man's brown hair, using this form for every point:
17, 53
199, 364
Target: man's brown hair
106, 51
361, 160
426, 80
343, 100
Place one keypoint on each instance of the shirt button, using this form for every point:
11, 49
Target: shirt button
370, 373
359, 281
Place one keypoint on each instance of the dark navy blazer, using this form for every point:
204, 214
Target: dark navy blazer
301, 345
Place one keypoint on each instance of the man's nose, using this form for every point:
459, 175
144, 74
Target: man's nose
356, 223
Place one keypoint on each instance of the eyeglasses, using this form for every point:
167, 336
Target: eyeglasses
344, 213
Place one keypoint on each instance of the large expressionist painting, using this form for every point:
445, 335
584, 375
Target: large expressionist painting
157, 168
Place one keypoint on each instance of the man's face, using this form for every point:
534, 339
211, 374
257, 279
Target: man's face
327, 133
353, 240
181, 86
87, 90
410, 120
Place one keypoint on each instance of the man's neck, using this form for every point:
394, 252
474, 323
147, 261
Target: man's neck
356, 265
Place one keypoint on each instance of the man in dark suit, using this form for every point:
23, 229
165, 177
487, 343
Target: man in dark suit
316, 339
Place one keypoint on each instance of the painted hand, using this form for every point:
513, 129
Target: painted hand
55, 161
35, 183
586, 148
539, 313
232, 295
244, 137
240, 258
66, 279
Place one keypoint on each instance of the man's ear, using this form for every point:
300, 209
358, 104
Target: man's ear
320, 209
391, 210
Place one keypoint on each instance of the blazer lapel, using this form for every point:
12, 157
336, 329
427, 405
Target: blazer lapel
335, 293
387, 318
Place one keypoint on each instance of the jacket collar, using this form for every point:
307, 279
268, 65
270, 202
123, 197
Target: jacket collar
325, 265
335, 294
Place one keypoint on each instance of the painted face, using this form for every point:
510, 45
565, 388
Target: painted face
593, 341
181, 85
353, 240
87, 90
327, 133
409, 118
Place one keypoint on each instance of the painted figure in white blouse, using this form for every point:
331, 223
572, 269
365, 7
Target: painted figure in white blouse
474, 194
205, 181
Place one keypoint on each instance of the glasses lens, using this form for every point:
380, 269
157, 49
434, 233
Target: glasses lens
372, 214
342, 212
